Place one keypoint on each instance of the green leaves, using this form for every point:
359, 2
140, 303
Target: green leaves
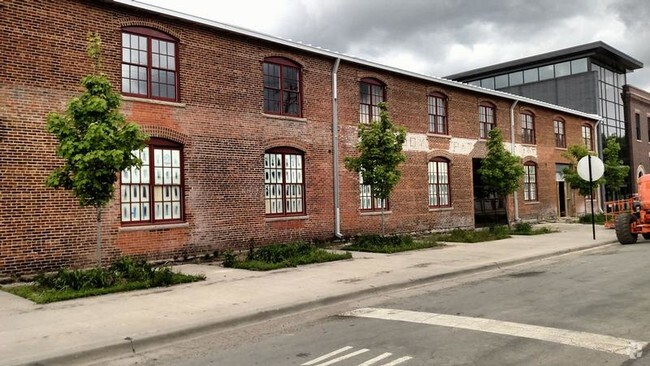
574, 153
95, 142
615, 171
500, 170
380, 153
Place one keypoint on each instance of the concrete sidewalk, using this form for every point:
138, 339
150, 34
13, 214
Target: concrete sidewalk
59, 332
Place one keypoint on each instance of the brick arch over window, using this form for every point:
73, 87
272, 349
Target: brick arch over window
487, 118
437, 111
151, 24
282, 86
284, 182
439, 184
165, 133
438, 153
530, 181
149, 64
283, 141
371, 92
527, 119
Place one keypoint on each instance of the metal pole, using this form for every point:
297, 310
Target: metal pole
591, 190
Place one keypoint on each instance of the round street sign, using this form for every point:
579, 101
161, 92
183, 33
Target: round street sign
597, 168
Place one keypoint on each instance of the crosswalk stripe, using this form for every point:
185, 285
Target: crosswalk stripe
325, 357
344, 357
376, 359
592, 341
398, 361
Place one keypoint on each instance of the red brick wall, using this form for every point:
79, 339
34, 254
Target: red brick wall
220, 123
638, 102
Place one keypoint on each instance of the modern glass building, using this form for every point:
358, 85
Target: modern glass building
588, 78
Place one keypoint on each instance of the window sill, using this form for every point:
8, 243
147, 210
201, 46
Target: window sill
375, 213
436, 209
528, 144
531, 202
286, 218
285, 118
153, 101
561, 148
431, 134
154, 227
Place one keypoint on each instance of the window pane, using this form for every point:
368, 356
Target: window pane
579, 66
531, 75
546, 72
488, 83
501, 81
516, 78
562, 69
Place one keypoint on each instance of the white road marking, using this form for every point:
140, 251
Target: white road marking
325, 357
376, 359
398, 361
344, 357
592, 341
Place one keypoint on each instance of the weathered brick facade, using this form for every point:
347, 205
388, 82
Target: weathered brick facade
638, 106
219, 120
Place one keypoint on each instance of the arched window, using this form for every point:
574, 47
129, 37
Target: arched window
439, 187
149, 64
368, 202
560, 136
284, 183
530, 181
486, 119
438, 113
282, 87
587, 136
153, 193
527, 128
371, 93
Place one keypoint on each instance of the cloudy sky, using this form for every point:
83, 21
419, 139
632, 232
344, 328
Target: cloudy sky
441, 37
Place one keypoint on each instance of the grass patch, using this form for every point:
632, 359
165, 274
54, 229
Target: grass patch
475, 236
278, 256
391, 244
599, 219
524, 228
126, 274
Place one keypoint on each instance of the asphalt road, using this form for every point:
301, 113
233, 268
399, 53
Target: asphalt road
587, 309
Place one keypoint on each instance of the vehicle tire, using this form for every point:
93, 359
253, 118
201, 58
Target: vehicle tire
623, 233
646, 236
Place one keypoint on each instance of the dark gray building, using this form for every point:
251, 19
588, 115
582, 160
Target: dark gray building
588, 78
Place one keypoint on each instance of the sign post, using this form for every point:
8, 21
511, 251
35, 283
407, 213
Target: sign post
591, 168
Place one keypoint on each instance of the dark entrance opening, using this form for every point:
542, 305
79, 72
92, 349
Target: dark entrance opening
488, 209
562, 196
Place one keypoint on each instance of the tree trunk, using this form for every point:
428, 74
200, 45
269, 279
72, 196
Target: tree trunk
382, 219
505, 206
99, 236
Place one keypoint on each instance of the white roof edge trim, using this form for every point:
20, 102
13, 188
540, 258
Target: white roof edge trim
352, 59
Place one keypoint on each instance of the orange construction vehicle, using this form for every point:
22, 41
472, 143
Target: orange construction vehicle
635, 219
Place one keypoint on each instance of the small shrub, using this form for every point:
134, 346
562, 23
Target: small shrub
522, 228
475, 236
599, 219
229, 259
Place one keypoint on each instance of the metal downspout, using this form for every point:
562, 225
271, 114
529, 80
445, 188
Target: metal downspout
335, 151
512, 151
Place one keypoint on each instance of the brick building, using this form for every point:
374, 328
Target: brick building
248, 137
637, 103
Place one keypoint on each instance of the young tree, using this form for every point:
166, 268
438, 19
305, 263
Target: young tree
500, 170
615, 171
574, 153
95, 141
380, 153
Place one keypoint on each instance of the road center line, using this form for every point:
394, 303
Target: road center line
592, 341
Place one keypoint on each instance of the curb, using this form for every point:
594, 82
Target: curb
125, 347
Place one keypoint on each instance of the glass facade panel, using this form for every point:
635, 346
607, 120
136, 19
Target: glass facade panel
562, 69
501, 81
546, 72
516, 78
531, 75
488, 83
579, 66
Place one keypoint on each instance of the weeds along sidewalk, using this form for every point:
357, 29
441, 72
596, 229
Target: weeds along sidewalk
229, 297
